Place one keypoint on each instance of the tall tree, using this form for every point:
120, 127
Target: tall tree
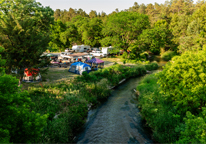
123, 28
155, 38
57, 14
91, 32
57, 29
93, 14
25, 25
142, 9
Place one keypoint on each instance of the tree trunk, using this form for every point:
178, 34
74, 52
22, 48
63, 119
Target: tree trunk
21, 73
20, 80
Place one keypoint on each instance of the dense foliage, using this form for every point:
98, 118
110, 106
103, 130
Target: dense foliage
18, 123
175, 106
24, 32
168, 55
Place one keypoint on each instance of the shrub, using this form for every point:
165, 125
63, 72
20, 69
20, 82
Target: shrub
124, 55
183, 80
18, 123
152, 66
168, 55
159, 114
193, 130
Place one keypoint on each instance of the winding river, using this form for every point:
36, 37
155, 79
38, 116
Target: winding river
117, 120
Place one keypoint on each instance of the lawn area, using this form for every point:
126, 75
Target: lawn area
112, 59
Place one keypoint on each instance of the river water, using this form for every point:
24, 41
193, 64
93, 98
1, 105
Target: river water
117, 120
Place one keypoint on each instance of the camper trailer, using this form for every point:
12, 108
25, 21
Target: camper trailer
106, 50
80, 48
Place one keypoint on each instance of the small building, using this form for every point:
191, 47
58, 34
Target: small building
79, 68
31, 75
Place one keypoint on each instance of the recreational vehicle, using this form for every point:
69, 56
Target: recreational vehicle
80, 48
106, 50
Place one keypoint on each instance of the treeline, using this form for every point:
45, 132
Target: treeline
26, 32
175, 25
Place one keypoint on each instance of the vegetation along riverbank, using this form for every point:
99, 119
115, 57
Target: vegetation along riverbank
173, 101
58, 110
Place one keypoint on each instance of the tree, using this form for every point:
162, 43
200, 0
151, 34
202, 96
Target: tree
183, 80
195, 36
91, 32
17, 124
57, 14
142, 8
25, 27
178, 26
58, 39
123, 28
79, 21
155, 38
93, 14
135, 7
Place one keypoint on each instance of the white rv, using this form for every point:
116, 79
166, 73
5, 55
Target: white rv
106, 50
80, 48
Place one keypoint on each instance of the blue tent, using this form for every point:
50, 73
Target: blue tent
79, 68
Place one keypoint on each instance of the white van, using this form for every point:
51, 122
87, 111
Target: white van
80, 48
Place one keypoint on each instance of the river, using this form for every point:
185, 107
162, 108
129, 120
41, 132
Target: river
117, 120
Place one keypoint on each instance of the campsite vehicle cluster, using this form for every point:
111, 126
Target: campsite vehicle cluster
80, 59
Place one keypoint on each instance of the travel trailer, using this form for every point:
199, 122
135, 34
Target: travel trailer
80, 48
106, 50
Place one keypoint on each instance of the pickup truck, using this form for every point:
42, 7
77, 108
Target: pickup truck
98, 54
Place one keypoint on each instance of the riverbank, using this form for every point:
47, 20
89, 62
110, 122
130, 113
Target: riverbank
67, 103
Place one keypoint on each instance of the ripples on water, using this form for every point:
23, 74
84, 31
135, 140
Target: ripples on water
116, 121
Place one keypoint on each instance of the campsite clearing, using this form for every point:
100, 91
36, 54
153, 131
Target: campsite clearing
56, 74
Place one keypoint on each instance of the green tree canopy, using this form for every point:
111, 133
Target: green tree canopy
155, 38
183, 80
25, 27
63, 35
91, 32
123, 28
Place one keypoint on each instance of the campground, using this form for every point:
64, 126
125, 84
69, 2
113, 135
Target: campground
56, 74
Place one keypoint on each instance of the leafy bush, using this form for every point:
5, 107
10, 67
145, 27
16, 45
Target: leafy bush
152, 66
168, 55
17, 120
193, 130
159, 113
183, 80
124, 55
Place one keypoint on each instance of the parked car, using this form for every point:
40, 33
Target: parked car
98, 54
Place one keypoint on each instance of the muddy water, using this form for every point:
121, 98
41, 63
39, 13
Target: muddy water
118, 120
